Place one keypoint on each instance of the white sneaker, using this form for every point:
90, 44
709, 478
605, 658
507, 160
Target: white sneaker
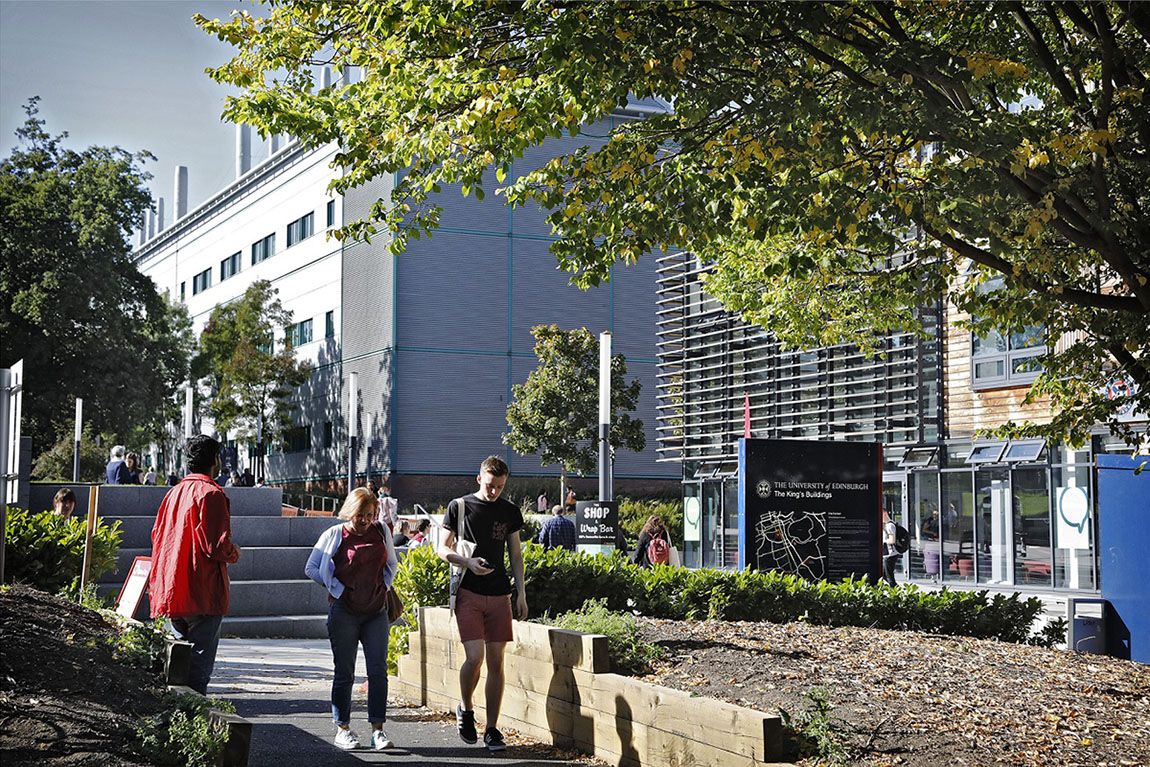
345, 739
380, 741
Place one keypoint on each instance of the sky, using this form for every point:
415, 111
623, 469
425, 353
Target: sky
127, 73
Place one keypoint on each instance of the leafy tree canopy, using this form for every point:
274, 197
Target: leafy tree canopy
75, 307
879, 153
555, 412
248, 379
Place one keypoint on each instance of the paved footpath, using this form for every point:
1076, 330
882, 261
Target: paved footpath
282, 687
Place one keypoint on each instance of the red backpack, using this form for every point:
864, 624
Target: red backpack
659, 551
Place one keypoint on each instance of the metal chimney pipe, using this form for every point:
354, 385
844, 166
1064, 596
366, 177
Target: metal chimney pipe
143, 232
180, 193
159, 215
325, 78
243, 149
151, 223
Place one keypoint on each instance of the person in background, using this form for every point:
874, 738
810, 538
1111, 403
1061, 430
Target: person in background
890, 555
64, 502
132, 465
234, 479
557, 532
419, 536
148, 477
541, 503
260, 482
246, 479
222, 477
400, 537
654, 530
173, 479
116, 472
191, 550
569, 502
388, 506
355, 561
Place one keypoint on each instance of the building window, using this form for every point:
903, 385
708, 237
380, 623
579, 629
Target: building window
998, 359
263, 249
331, 213
299, 333
300, 229
297, 440
328, 434
183, 285
202, 281
229, 266
329, 325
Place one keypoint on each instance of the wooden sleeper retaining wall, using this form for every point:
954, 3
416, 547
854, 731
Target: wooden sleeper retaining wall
559, 690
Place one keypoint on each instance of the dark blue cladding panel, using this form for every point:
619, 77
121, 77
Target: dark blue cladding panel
470, 213
635, 308
451, 410
1123, 540
542, 295
452, 293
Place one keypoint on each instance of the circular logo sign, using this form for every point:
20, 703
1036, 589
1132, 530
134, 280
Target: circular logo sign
763, 489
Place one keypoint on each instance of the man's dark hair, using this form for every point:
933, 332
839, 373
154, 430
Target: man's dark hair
201, 451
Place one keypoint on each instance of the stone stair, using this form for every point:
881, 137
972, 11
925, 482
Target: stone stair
270, 595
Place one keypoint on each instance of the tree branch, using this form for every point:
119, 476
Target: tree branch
1066, 295
1046, 56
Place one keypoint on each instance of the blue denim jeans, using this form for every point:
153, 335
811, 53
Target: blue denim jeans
203, 631
348, 630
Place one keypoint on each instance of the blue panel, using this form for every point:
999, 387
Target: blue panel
1123, 540
452, 410
452, 293
459, 212
633, 288
541, 295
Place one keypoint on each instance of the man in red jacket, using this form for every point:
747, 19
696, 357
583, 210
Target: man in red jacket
191, 550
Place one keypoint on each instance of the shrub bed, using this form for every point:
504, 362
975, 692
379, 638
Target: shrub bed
560, 581
47, 551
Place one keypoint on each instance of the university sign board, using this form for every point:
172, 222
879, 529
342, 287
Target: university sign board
596, 526
812, 509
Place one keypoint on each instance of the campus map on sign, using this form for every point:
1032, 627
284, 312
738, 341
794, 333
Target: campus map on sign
793, 542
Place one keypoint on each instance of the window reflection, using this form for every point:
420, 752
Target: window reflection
992, 525
1031, 506
958, 526
1073, 528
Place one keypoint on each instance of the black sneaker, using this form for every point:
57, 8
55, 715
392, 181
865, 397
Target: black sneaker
465, 723
493, 739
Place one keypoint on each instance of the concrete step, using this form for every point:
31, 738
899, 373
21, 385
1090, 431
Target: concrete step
258, 563
144, 500
136, 531
280, 597
292, 626
258, 598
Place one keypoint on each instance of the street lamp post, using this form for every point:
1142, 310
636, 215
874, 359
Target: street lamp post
79, 431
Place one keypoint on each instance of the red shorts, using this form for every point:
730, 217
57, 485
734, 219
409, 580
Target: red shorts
483, 617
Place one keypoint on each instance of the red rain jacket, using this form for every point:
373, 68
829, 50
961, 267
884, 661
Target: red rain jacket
191, 550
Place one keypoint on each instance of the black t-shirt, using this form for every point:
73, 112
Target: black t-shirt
488, 526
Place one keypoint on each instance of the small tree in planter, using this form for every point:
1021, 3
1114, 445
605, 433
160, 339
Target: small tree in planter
554, 413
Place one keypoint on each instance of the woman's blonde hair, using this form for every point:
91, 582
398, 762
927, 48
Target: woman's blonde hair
357, 500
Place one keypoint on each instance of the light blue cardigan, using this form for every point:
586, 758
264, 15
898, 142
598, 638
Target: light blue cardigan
320, 565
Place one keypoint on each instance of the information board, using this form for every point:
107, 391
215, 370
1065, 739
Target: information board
812, 509
134, 587
596, 526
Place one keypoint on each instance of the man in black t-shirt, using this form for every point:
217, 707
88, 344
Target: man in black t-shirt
483, 603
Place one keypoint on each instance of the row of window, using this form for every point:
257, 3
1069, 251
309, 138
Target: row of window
300, 333
262, 249
298, 439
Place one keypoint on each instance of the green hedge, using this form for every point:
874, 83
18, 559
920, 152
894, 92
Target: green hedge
47, 551
560, 581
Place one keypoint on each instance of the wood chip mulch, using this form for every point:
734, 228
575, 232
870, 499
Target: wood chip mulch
921, 700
